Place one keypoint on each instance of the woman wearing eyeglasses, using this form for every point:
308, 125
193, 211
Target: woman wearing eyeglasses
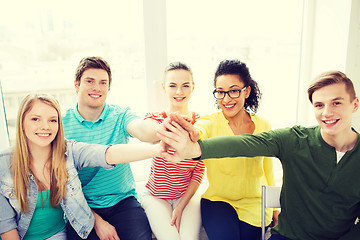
231, 206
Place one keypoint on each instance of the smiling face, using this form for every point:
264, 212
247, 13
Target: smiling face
40, 125
333, 109
93, 88
178, 87
231, 107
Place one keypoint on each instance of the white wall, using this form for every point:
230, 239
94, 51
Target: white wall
330, 41
353, 54
155, 52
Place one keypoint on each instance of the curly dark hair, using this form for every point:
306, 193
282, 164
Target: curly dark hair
239, 68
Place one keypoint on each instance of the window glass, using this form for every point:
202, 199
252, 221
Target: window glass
264, 34
41, 43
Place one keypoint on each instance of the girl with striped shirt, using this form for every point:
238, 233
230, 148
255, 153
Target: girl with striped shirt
168, 199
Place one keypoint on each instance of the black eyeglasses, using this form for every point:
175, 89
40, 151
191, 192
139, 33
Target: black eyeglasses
219, 94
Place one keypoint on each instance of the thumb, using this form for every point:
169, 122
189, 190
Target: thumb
172, 222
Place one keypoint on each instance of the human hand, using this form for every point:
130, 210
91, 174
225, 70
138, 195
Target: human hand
275, 219
185, 123
12, 234
173, 135
165, 148
176, 218
183, 117
104, 230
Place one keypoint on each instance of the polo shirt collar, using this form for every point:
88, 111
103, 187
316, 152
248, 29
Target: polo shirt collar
81, 119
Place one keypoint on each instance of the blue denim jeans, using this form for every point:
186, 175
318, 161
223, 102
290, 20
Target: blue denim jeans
128, 218
221, 222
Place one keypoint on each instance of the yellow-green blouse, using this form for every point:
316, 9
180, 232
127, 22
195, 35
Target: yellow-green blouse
237, 181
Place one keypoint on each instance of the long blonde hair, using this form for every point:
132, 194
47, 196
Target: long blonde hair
20, 163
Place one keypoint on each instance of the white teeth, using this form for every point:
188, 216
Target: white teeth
229, 106
43, 134
330, 121
94, 96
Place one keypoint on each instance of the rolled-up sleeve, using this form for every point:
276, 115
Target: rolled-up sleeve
7, 216
87, 155
198, 172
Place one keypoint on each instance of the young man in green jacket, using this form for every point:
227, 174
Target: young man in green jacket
320, 197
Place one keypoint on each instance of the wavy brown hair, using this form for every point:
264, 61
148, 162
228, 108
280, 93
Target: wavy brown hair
20, 165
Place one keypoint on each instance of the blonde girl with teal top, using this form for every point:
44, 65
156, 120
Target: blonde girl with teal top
39, 184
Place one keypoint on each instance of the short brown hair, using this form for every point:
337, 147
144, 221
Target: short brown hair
92, 62
329, 78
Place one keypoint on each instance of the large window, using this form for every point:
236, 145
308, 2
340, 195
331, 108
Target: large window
284, 43
41, 43
266, 35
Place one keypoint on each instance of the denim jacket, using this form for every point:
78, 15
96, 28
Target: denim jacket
74, 205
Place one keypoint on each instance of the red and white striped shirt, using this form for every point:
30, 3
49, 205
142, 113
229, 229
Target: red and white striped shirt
170, 180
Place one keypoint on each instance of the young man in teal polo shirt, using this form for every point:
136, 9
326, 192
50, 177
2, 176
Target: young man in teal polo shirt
110, 193
320, 197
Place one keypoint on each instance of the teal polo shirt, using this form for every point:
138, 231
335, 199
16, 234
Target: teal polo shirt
103, 188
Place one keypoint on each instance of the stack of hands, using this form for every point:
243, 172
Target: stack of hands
178, 134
